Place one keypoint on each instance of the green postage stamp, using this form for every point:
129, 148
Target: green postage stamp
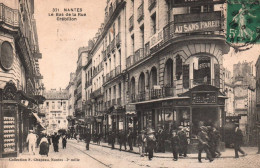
243, 21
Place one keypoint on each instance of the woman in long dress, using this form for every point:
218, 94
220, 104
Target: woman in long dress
44, 146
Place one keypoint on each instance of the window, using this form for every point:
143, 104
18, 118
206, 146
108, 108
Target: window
119, 90
59, 104
202, 70
153, 23
195, 9
47, 104
59, 121
64, 105
53, 105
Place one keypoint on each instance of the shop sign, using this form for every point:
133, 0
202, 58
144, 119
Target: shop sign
204, 98
130, 107
167, 104
188, 23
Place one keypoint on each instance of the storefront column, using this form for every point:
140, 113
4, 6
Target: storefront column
191, 121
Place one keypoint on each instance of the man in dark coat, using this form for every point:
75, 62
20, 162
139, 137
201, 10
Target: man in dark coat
122, 139
161, 141
216, 138
113, 139
130, 137
55, 142
183, 142
151, 142
238, 141
203, 143
87, 139
175, 143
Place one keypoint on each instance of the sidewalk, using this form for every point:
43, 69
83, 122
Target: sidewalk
228, 153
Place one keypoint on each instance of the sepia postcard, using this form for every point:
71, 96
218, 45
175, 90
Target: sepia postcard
129, 83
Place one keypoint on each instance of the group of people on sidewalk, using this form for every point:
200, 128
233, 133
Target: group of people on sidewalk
43, 141
149, 141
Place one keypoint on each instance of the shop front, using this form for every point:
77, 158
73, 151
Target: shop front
200, 106
16, 118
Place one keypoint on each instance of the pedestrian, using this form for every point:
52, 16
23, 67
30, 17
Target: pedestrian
216, 138
203, 144
64, 141
77, 137
130, 139
175, 143
55, 142
87, 139
49, 139
122, 139
161, 141
141, 143
31, 140
113, 137
183, 148
44, 146
99, 136
238, 141
151, 142
211, 141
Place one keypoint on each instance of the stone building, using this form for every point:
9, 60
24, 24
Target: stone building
20, 78
71, 100
56, 110
158, 64
257, 117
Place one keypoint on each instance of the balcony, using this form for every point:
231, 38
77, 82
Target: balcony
96, 93
112, 73
204, 81
185, 3
205, 24
151, 4
139, 55
118, 101
113, 102
113, 45
9, 16
141, 96
118, 39
131, 23
107, 77
118, 70
140, 12
129, 61
147, 49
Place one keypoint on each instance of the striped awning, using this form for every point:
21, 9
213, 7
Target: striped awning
131, 113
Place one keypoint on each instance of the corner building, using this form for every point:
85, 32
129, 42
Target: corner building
174, 70
20, 78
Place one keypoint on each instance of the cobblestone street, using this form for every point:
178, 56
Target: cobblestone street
99, 156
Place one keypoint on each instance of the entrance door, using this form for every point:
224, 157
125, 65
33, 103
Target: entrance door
204, 116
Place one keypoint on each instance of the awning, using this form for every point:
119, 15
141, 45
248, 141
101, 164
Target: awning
161, 99
39, 121
131, 113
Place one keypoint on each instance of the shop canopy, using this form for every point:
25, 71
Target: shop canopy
39, 121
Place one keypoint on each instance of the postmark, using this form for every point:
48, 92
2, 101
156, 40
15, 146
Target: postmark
243, 22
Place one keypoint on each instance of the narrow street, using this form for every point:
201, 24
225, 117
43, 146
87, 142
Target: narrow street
75, 155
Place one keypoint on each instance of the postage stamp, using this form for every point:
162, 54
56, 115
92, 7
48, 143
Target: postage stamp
243, 21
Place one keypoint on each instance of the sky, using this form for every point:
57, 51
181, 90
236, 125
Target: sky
59, 40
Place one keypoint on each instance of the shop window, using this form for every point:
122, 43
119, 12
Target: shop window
202, 71
168, 73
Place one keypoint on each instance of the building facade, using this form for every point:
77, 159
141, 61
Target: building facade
20, 78
71, 100
56, 110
